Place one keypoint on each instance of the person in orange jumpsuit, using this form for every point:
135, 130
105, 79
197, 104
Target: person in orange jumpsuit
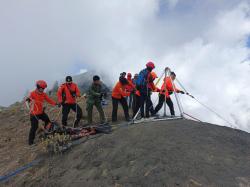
36, 100
170, 88
131, 88
67, 94
119, 95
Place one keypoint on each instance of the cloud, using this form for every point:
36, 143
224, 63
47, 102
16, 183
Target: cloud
210, 67
205, 43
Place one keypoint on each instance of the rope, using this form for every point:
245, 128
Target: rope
192, 117
5, 178
213, 111
157, 82
57, 116
75, 114
181, 85
207, 107
183, 88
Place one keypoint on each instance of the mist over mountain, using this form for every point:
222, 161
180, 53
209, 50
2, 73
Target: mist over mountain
204, 42
84, 81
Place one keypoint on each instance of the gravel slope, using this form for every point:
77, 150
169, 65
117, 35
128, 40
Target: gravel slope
170, 153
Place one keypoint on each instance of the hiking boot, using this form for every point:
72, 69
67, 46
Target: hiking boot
139, 118
104, 123
128, 119
155, 115
32, 144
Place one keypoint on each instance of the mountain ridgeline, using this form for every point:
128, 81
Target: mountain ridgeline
84, 81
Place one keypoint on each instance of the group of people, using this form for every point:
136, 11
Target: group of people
136, 93
130, 93
67, 95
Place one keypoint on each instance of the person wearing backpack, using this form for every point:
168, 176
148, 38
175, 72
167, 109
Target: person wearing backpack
152, 88
143, 86
119, 95
67, 94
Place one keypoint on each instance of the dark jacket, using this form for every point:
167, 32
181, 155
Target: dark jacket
94, 93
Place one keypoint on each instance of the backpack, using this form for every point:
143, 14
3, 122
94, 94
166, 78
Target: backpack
141, 81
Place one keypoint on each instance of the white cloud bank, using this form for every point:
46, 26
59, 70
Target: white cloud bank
204, 42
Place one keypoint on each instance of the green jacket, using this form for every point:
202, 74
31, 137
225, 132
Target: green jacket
94, 93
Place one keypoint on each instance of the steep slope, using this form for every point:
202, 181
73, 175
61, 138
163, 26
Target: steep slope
14, 130
167, 153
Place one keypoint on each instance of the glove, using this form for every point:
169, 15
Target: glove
58, 105
181, 92
28, 100
158, 90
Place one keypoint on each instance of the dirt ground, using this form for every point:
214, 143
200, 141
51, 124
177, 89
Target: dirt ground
14, 128
167, 153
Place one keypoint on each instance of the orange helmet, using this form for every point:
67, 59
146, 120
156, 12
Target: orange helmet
154, 75
41, 84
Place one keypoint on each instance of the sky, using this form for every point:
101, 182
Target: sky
207, 44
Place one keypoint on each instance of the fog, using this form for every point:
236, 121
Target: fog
204, 42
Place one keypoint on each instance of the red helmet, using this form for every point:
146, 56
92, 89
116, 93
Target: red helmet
150, 65
41, 84
129, 75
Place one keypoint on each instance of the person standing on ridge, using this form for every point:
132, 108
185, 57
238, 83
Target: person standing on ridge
94, 99
168, 83
142, 85
123, 74
131, 89
67, 94
118, 96
36, 100
151, 88
135, 78
134, 102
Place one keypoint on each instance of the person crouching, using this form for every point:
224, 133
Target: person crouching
36, 100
